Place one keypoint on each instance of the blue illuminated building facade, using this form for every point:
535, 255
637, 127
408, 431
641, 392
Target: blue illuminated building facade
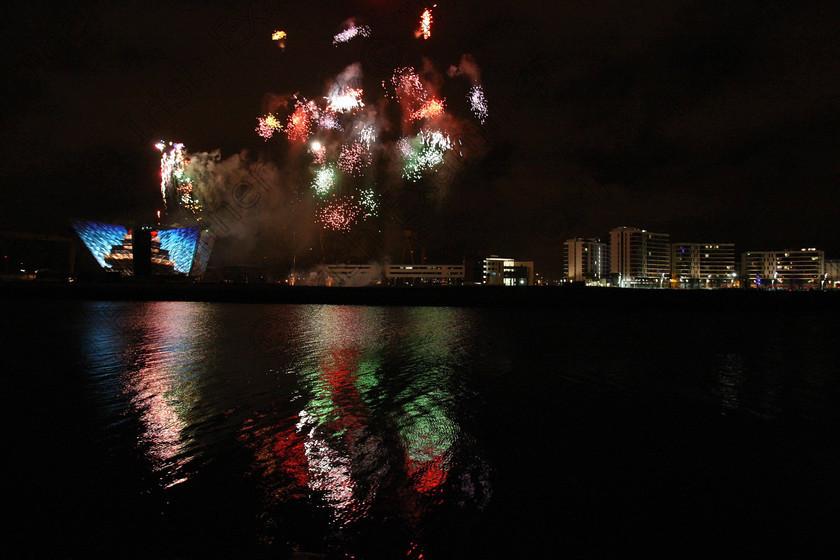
179, 251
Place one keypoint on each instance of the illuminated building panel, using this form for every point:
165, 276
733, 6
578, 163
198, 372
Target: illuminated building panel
180, 243
203, 248
99, 237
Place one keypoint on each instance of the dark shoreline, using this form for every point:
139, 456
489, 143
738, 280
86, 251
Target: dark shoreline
442, 296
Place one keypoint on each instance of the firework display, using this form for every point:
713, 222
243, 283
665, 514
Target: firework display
347, 145
175, 182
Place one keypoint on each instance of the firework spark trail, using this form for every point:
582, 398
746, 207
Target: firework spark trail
426, 152
367, 136
172, 166
188, 197
409, 92
174, 180
340, 214
350, 33
425, 30
478, 103
436, 140
280, 37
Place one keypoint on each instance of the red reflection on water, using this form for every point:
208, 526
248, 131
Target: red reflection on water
289, 446
427, 475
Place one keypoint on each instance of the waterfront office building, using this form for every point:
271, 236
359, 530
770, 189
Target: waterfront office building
639, 258
703, 265
790, 269
585, 260
414, 274
832, 273
499, 271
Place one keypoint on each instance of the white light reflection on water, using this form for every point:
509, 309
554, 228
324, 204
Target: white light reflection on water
149, 349
730, 381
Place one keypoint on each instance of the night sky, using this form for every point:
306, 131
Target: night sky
711, 121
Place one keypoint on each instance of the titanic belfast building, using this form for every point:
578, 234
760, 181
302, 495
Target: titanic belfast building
146, 250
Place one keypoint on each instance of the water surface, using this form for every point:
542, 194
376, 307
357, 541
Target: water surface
192, 430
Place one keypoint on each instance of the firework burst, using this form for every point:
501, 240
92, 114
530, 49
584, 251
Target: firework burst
340, 214
328, 121
353, 158
431, 109
266, 126
369, 201
425, 153
324, 180
299, 126
344, 100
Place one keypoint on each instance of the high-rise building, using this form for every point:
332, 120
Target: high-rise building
703, 265
790, 269
585, 260
639, 258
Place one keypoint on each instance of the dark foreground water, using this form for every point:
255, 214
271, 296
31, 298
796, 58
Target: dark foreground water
219, 430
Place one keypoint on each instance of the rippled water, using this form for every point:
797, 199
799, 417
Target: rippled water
226, 430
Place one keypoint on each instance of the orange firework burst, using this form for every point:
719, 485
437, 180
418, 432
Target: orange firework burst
431, 109
299, 126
